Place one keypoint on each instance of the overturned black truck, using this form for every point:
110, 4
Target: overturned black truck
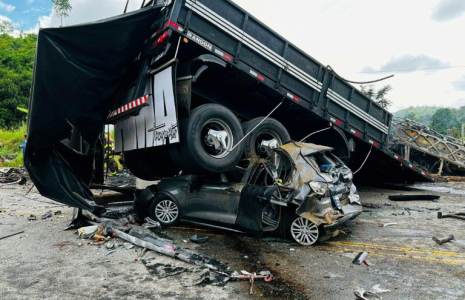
201, 92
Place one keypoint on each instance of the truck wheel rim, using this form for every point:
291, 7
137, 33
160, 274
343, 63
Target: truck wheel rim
304, 232
217, 125
261, 152
166, 211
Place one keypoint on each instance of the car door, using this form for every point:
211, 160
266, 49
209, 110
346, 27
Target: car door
213, 203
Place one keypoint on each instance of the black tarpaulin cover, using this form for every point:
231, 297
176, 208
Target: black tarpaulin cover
78, 70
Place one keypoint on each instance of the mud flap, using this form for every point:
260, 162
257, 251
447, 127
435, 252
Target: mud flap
254, 200
157, 124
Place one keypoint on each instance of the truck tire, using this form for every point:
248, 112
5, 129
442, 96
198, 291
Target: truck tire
268, 130
196, 155
151, 163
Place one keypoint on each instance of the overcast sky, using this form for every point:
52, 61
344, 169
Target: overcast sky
420, 41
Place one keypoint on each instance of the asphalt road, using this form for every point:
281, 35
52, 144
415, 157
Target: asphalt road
46, 262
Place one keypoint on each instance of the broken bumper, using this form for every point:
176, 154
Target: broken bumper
338, 223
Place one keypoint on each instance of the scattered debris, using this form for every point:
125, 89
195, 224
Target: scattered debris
360, 258
414, 198
110, 245
110, 252
88, 232
371, 205
7, 236
47, 215
371, 294
128, 246
443, 240
195, 277
198, 239
151, 224
58, 213
387, 224
458, 215
13, 176
265, 275
32, 218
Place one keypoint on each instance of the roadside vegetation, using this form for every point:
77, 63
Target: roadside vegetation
11, 139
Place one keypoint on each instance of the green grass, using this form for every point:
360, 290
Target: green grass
11, 139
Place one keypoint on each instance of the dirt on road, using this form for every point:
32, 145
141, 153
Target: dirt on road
45, 262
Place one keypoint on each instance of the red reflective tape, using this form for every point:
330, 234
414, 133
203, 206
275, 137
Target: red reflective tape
375, 144
358, 133
227, 57
172, 24
338, 122
399, 158
260, 77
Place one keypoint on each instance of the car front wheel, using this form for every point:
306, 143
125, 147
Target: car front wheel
304, 231
164, 210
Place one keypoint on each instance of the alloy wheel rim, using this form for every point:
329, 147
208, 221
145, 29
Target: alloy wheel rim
304, 231
217, 125
166, 211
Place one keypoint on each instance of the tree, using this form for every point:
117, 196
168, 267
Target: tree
378, 96
443, 120
6, 27
16, 65
62, 9
455, 133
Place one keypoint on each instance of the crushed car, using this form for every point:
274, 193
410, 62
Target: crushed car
302, 191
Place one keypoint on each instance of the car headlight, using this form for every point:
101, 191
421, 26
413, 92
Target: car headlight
319, 187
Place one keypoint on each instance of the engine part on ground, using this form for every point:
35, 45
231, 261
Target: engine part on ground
269, 134
443, 240
151, 163
414, 198
207, 140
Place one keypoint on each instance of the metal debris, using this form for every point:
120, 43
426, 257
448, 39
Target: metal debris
414, 198
32, 218
7, 236
47, 215
457, 215
265, 275
199, 239
360, 258
443, 240
128, 246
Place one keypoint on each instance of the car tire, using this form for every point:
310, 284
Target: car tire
165, 210
194, 155
303, 231
151, 163
270, 129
